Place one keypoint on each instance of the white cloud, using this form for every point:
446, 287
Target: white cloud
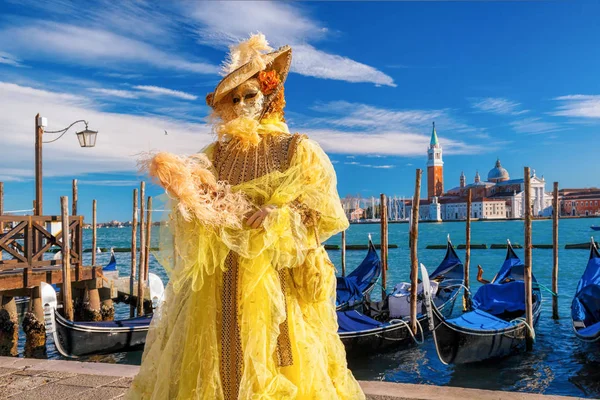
369, 165
309, 61
223, 23
578, 105
377, 132
386, 142
282, 23
88, 46
132, 18
498, 105
166, 92
367, 117
108, 182
125, 94
9, 59
535, 126
121, 137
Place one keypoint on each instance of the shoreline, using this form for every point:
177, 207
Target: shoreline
26, 378
475, 220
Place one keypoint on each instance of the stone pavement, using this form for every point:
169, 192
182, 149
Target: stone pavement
30, 379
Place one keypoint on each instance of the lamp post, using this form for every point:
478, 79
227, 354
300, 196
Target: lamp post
86, 137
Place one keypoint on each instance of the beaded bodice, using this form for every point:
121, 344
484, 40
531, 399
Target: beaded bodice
236, 163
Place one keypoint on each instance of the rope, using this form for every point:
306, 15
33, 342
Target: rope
395, 321
459, 285
539, 285
523, 320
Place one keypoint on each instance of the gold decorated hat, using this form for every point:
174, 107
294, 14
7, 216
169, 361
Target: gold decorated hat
247, 59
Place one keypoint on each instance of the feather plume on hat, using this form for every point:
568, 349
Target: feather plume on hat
245, 51
247, 59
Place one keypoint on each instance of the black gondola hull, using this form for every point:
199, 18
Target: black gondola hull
75, 340
387, 338
457, 345
587, 338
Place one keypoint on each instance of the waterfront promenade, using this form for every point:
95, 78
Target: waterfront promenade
31, 379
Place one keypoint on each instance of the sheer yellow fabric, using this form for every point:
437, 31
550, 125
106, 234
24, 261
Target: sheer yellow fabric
182, 355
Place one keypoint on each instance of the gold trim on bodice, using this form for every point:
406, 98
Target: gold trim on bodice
235, 163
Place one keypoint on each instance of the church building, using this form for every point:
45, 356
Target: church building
498, 197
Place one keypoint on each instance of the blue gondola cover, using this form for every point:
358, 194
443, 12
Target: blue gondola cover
451, 267
350, 288
112, 265
353, 321
505, 294
479, 320
586, 303
497, 298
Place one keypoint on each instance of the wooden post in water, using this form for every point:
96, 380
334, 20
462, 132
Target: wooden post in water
94, 233
414, 260
134, 224
384, 244
555, 216
466, 296
142, 269
66, 259
74, 204
148, 238
528, 260
343, 253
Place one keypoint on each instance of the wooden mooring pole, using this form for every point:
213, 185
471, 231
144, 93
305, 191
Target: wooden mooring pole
528, 261
74, 204
555, 216
384, 244
142, 269
343, 253
466, 295
134, 224
94, 232
148, 238
66, 259
414, 260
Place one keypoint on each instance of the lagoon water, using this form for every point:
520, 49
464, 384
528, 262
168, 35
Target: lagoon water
559, 363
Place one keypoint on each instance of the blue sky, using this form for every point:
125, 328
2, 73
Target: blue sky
515, 80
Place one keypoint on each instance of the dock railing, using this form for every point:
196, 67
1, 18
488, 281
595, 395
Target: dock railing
26, 239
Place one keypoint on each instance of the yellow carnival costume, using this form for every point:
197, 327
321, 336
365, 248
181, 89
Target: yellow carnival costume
250, 313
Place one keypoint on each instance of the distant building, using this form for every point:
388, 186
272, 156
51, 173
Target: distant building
498, 197
435, 167
579, 202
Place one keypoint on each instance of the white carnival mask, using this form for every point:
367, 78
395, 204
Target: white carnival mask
248, 100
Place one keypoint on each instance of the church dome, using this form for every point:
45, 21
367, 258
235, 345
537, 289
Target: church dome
498, 174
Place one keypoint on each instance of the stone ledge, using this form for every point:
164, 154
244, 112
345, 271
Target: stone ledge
377, 390
73, 379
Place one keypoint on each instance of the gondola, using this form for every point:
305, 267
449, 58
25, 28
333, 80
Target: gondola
352, 289
595, 228
373, 330
77, 339
585, 308
110, 270
495, 327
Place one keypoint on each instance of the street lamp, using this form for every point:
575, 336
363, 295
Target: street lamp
87, 138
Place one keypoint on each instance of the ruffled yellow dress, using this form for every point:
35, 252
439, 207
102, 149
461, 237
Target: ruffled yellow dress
250, 313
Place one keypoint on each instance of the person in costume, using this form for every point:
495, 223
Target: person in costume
250, 305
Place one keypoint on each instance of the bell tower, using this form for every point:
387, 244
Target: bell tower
435, 167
